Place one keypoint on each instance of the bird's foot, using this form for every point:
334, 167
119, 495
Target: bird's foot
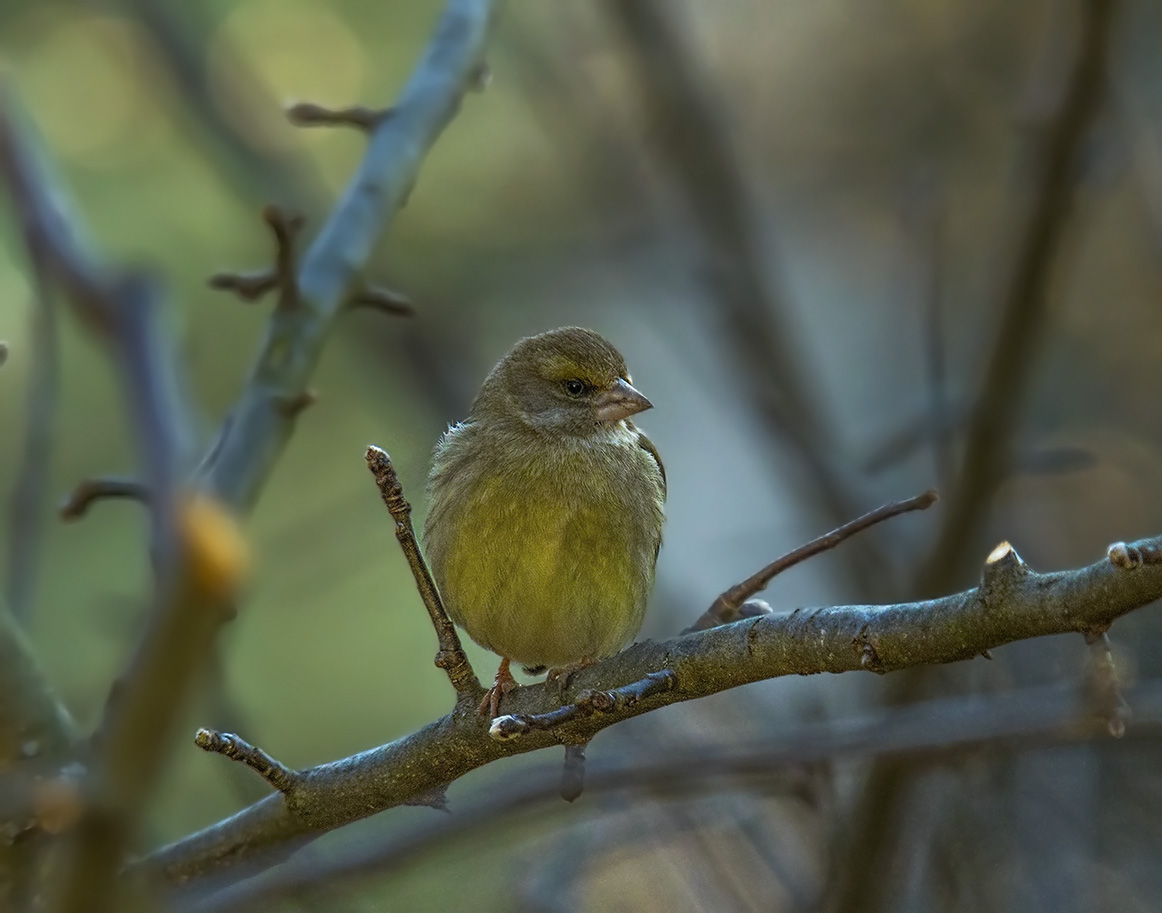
501, 685
561, 675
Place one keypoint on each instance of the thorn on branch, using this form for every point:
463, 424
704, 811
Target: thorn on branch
308, 114
729, 605
3, 352
451, 657
383, 300
277, 774
433, 798
90, 491
588, 703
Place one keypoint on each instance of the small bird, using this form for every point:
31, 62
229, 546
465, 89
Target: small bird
545, 514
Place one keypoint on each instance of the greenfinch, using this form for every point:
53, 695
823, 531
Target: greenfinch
545, 514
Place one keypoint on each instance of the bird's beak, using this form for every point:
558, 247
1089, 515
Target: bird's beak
620, 401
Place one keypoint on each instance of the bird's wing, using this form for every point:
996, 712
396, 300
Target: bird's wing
648, 446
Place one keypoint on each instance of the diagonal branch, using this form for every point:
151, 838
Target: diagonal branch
451, 657
930, 732
251, 441
1011, 603
728, 605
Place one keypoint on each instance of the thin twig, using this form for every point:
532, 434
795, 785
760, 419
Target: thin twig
727, 606
387, 301
451, 657
29, 493
238, 749
247, 286
308, 114
588, 703
932, 732
90, 491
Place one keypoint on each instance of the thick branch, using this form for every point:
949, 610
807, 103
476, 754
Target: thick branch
1012, 603
934, 731
250, 443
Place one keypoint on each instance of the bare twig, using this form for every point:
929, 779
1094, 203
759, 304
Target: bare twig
931, 732
307, 114
451, 657
1012, 603
123, 309
384, 300
1055, 151
727, 606
247, 286
238, 749
252, 440
90, 491
588, 703
30, 491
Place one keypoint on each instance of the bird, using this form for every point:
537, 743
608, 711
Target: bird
546, 507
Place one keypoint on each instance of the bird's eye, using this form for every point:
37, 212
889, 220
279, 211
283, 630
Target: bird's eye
574, 387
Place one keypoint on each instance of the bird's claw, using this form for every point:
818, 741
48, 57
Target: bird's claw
503, 683
562, 675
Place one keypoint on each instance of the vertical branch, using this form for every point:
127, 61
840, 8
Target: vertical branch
30, 492
694, 148
1054, 153
198, 554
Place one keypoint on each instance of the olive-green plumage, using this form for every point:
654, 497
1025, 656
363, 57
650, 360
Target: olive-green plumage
546, 505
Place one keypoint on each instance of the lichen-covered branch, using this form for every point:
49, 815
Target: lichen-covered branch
1011, 603
259, 426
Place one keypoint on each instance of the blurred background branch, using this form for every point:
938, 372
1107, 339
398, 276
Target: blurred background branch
792, 221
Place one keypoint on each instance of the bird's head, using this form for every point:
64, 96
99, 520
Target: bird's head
568, 381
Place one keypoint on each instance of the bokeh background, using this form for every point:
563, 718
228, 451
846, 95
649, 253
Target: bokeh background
798, 222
